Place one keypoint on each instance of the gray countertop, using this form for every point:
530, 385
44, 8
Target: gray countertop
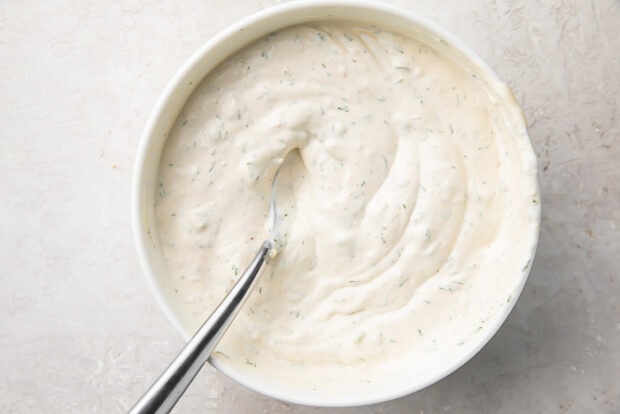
82, 333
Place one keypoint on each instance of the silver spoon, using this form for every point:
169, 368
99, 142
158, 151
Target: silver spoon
170, 386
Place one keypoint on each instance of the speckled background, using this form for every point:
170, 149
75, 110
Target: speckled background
79, 330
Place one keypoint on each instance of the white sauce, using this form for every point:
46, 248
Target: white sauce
406, 204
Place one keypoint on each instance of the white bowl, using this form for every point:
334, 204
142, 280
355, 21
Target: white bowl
183, 84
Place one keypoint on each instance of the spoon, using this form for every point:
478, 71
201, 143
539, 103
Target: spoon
172, 383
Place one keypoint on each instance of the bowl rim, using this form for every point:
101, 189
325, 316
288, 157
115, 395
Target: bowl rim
139, 183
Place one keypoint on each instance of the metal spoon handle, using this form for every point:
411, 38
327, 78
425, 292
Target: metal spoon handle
173, 382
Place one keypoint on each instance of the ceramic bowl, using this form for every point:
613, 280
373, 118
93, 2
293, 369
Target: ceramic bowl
172, 101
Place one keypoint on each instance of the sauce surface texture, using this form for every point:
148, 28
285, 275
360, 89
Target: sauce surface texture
406, 205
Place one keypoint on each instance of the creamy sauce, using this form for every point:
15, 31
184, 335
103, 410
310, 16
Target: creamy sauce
405, 204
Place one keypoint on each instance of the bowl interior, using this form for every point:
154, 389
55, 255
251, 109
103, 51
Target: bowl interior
172, 101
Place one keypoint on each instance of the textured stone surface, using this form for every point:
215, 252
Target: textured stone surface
80, 331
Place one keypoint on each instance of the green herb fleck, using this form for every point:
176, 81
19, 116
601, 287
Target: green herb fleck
385, 162
222, 354
525, 266
250, 362
270, 35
